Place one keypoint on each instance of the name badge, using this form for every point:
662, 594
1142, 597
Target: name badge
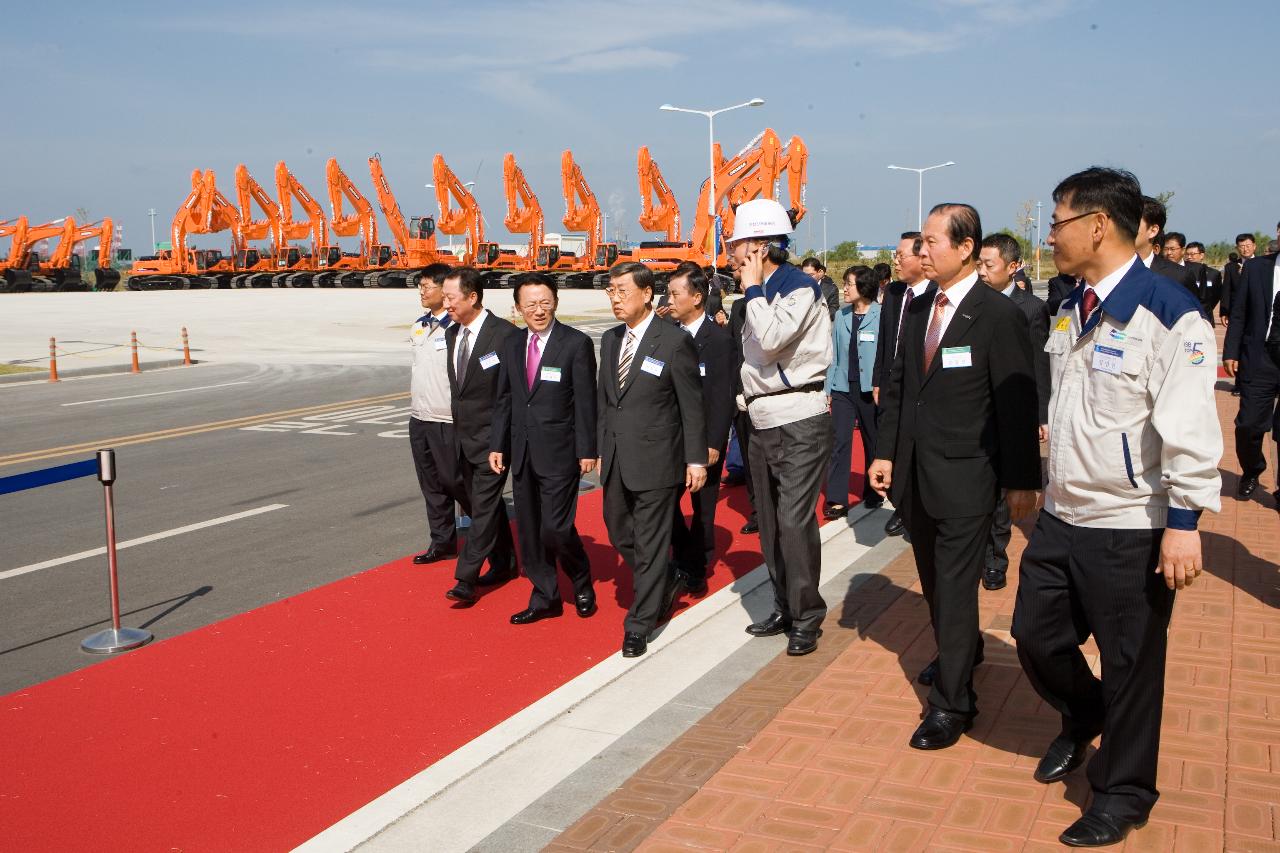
866, 337
488, 361
1107, 359
957, 357
652, 366
549, 374
441, 344
702, 370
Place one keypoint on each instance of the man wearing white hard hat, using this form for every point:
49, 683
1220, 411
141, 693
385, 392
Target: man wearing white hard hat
786, 348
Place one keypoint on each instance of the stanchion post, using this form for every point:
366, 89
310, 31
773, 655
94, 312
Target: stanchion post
113, 639
53, 360
133, 344
186, 347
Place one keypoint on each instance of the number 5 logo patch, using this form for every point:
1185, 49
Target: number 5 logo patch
1194, 351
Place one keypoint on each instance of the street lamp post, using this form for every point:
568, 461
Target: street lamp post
152, 213
824, 236
467, 184
1038, 206
920, 186
711, 160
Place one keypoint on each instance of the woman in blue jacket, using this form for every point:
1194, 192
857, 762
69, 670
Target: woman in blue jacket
848, 386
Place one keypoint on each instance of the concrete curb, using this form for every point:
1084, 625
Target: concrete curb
75, 372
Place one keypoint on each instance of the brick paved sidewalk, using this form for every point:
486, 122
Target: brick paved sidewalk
811, 754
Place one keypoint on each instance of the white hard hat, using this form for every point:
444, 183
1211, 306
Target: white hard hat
760, 217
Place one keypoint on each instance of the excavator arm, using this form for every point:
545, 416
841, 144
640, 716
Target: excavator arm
581, 209
362, 221
666, 215
62, 229
729, 174
249, 192
524, 213
289, 189
16, 231
797, 167
463, 219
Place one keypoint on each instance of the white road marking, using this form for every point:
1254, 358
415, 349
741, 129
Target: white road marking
157, 393
141, 540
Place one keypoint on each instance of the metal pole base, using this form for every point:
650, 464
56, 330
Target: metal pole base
110, 641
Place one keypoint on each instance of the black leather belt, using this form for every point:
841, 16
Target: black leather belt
799, 389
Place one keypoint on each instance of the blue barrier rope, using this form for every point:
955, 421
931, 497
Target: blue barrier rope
48, 476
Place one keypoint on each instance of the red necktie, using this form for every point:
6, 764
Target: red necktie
531, 361
1088, 304
934, 336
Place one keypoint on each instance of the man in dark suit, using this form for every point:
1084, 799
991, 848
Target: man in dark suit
910, 285
1175, 252
474, 342
741, 420
693, 545
996, 263
817, 270
1208, 279
1150, 243
652, 439
1245, 249
1244, 357
544, 426
959, 425
1060, 287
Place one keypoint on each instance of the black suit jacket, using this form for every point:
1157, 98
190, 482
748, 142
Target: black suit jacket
1208, 287
1183, 275
552, 424
654, 426
1037, 314
887, 339
1251, 307
1060, 287
473, 402
1231, 276
737, 323
962, 433
830, 295
716, 368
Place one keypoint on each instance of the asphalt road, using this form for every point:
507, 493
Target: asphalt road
311, 464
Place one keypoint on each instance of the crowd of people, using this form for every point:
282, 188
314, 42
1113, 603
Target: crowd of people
954, 376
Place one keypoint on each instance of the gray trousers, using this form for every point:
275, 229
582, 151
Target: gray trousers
788, 464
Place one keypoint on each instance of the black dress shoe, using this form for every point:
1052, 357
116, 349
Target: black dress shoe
501, 572
774, 625
1063, 755
752, 526
894, 526
533, 614
873, 501
833, 511
696, 587
1098, 829
994, 579
1248, 485
803, 642
434, 554
463, 594
930, 673
585, 604
634, 645
940, 730
674, 587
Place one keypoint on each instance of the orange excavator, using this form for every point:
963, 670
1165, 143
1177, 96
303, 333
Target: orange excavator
415, 240
763, 180
524, 216
466, 218
349, 269
253, 264
17, 279
293, 267
665, 216
582, 213
204, 211
62, 269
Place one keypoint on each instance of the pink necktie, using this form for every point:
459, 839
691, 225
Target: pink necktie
933, 337
531, 360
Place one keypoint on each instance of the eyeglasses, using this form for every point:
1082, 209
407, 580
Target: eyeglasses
545, 305
1054, 226
428, 285
617, 293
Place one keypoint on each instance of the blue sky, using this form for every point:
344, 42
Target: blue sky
111, 106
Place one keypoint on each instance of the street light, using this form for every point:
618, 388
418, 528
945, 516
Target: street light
152, 213
711, 159
824, 236
920, 187
467, 184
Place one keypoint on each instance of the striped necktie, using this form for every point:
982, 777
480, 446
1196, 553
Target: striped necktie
624, 361
934, 336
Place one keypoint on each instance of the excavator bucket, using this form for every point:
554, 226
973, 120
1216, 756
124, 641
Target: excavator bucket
105, 279
17, 280
68, 280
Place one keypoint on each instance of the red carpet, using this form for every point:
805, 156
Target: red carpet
258, 732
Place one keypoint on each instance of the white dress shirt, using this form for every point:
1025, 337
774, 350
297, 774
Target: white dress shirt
542, 338
1271, 306
1108, 283
693, 327
474, 327
955, 295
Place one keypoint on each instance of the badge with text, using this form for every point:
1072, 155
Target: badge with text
652, 366
549, 374
1107, 359
1194, 351
957, 357
488, 361
866, 337
702, 370
441, 344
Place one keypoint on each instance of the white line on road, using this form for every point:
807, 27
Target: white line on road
141, 540
157, 393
